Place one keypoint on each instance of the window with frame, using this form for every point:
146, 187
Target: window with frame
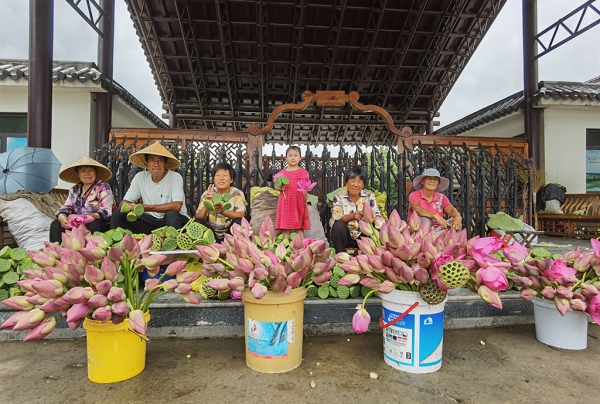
592, 163
13, 131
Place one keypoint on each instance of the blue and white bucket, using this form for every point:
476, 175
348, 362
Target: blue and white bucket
414, 343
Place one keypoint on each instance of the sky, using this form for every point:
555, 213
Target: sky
494, 72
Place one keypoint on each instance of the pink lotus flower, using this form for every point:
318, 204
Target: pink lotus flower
304, 185
235, 295
593, 308
361, 320
557, 270
486, 245
493, 278
78, 220
515, 252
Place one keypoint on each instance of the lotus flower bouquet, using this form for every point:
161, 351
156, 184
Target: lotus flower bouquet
414, 257
264, 263
572, 281
86, 278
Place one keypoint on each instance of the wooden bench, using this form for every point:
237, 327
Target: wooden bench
7, 239
581, 217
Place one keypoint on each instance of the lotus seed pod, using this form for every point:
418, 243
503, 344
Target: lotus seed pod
217, 198
184, 242
334, 280
343, 292
224, 295
431, 292
323, 291
169, 244
454, 274
226, 206
117, 235
156, 242
354, 291
126, 208
311, 291
195, 231
131, 217
138, 210
171, 231
332, 292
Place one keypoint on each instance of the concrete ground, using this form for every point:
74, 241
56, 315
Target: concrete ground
485, 365
501, 365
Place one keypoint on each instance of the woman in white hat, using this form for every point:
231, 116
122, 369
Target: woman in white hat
91, 196
430, 204
159, 189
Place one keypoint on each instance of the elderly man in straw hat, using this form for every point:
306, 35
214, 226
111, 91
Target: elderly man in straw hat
430, 204
160, 190
91, 197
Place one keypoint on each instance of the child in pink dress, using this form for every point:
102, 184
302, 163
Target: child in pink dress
292, 210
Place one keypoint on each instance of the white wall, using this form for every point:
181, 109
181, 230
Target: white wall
505, 127
125, 116
564, 145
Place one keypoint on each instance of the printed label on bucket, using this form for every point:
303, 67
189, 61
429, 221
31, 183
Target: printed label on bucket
414, 335
400, 339
268, 340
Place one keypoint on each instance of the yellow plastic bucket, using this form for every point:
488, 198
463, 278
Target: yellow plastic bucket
114, 352
273, 330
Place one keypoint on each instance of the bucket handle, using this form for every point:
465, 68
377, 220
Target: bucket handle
142, 337
400, 317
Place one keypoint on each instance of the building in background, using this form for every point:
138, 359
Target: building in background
569, 125
73, 111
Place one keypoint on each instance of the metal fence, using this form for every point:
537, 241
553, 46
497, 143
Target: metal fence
483, 179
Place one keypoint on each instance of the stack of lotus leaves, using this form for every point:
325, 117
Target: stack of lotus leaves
216, 200
132, 214
113, 237
168, 238
12, 262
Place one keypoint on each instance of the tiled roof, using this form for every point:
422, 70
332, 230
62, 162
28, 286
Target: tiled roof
80, 72
558, 90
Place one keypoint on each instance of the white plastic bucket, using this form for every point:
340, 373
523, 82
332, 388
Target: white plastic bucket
413, 344
552, 328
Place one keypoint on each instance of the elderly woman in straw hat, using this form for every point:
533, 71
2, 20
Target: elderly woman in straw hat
90, 196
430, 204
159, 189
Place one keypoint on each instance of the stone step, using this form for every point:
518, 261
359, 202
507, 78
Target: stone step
172, 317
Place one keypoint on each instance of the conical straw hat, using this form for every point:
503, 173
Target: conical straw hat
139, 158
70, 175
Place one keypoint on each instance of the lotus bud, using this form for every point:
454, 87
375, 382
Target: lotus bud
93, 275
414, 222
296, 243
302, 260
41, 258
98, 301
531, 270
403, 252
41, 330
564, 292
578, 305
393, 276
36, 299
33, 273
490, 296
421, 275
208, 254
78, 312
92, 255
546, 281
582, 263
183, 288
116, 294
187, 277
12, 320
363, 262
586, 289
120, 308
191, 298
528, 294
395, 237
425, 227
48, 288
535, 282
175, 268
548, 293
237, 283
281, 251
278, 284
170, 285
51, 307
56, 274
293, 280
342, 257
130, 247
376, 264
394, 219
154, 260
423, 260
387, 258
77, 295
386, 287
18, 303
322, 278
361, 320
27, 284
30, 320
371, 283
318, 247
365, 228
349, 279
102, 314
364, 246
259, 291
378, 222
562, 305
351, 266
569, 280
367, 212
137, 322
